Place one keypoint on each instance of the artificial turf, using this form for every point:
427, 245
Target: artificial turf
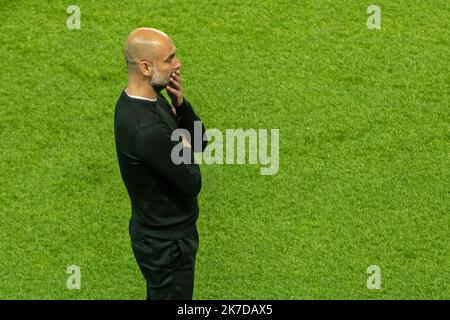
364, 147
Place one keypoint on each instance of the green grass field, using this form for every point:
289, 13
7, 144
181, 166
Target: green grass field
364, 147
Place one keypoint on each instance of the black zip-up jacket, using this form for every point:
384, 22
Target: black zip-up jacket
163, 194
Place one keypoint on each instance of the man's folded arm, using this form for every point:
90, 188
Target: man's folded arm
154, 146
187, 118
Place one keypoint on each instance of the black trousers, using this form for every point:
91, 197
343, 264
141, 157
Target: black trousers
168, 266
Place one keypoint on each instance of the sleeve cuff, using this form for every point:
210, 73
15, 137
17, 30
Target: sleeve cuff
184, 109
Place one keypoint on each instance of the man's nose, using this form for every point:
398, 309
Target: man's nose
178, 64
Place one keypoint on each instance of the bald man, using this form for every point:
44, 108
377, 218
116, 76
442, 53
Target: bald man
164, 206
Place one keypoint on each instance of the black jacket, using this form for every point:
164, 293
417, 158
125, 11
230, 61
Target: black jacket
163, 194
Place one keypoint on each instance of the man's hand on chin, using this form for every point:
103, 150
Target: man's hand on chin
175, 89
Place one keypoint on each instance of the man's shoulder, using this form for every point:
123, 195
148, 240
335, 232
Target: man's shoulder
133, 115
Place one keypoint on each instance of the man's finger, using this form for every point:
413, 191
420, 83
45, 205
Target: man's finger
175, 82
176, 76
185, 141
173, 90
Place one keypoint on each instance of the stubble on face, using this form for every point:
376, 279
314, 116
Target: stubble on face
158, 81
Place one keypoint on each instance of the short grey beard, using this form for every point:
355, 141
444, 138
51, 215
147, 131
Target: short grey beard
157, 82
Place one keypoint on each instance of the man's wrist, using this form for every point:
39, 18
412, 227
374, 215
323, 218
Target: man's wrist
182, 101
181, 106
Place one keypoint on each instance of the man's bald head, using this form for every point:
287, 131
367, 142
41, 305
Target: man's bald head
145, 44
151, 58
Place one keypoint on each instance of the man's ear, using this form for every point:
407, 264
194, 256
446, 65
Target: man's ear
146, 68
